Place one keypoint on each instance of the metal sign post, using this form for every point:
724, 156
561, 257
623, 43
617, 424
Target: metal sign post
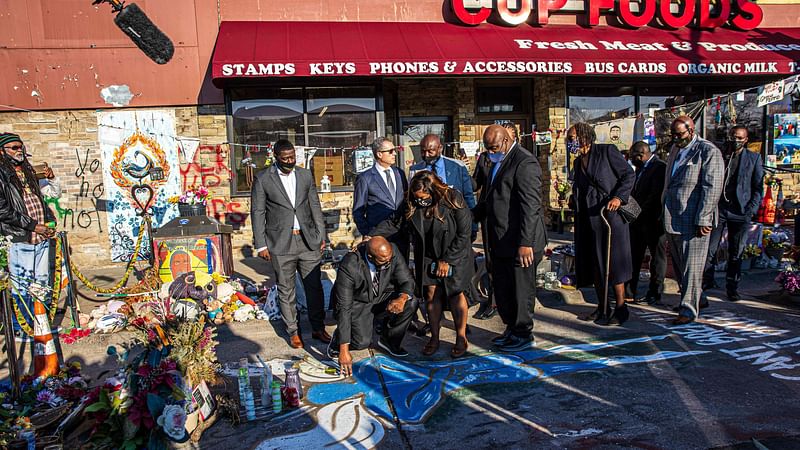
11, 344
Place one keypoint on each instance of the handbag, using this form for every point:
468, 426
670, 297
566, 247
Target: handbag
629, 211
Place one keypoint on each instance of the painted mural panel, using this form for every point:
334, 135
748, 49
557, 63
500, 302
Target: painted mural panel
132, 145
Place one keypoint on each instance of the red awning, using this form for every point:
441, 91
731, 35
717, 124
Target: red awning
282, 49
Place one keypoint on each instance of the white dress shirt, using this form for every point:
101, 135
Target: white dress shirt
289, 182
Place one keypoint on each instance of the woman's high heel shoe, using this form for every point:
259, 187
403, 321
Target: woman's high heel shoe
620, 316
431, 347
458, 351
591, 317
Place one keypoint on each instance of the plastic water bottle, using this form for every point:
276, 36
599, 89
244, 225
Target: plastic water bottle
245, 390
266, 387
277, 403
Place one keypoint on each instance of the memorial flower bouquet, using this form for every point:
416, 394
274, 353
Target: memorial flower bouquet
192, 196
789, 280
776, 239
751, 251
38, 397
562, 188
146, 404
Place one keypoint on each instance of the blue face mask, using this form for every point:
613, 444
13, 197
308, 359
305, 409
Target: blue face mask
496, 157
573, 146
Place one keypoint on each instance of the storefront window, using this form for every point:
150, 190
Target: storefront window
506, 98
257, 124
332, 122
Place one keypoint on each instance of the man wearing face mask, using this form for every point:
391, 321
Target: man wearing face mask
512, 208
374, 280
692, 189
647, 231
23, 216
741, 197
289, 231
452, 172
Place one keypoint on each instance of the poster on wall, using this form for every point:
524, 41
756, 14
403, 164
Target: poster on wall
663, 121
786, 145
134, 147
618, 132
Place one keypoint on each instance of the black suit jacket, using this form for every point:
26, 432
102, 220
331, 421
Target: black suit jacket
352, 291
273, 214
513, 205
749, 188
647, 190
451, 243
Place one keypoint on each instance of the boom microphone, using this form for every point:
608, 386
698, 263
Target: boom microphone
133, 22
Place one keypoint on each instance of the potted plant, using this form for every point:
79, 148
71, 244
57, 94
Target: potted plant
750, 252
192, 202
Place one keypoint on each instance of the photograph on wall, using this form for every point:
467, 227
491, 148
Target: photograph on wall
363, 160
619, 132
786, 142
140, 168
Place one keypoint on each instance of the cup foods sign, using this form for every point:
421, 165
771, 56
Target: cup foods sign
741, 14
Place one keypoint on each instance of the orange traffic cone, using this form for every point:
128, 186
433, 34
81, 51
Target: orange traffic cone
45, 360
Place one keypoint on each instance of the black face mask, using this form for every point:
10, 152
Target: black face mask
423, 202
378, 267
285, 167
430, 160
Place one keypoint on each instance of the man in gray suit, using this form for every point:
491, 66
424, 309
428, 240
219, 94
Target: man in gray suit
288, 230
693, 185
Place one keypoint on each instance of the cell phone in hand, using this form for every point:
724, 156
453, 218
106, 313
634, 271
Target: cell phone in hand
433, 270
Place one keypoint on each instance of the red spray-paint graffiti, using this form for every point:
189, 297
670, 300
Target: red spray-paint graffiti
210, 168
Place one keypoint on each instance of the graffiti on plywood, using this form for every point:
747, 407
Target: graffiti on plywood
134, 147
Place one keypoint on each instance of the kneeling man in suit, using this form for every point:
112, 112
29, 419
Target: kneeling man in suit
373, 281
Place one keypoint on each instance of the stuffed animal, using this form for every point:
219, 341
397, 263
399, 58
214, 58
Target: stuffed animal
197, 286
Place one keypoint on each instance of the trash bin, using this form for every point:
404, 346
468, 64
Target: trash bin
187, 244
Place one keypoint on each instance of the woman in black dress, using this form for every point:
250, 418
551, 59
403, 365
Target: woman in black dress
440, 225
603, 179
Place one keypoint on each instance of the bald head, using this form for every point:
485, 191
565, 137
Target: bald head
683, 123
430, 147
682, 130
496, 139
379, 250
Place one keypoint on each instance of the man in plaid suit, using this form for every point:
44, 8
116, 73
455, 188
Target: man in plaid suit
693, 186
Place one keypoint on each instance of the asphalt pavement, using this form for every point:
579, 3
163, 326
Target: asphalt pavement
729, 380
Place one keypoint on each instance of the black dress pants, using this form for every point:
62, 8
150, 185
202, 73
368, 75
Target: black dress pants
737, 238
364, 316
515, 293
648, 236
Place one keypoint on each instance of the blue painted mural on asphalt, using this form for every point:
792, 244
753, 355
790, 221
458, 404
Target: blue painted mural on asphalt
417, 388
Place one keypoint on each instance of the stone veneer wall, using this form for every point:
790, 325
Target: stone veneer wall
68, 141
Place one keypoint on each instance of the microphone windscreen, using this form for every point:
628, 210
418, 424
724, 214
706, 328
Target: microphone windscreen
155, 44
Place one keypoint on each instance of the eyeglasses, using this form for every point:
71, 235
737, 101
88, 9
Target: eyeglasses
391, 150
678, 133
16, 148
